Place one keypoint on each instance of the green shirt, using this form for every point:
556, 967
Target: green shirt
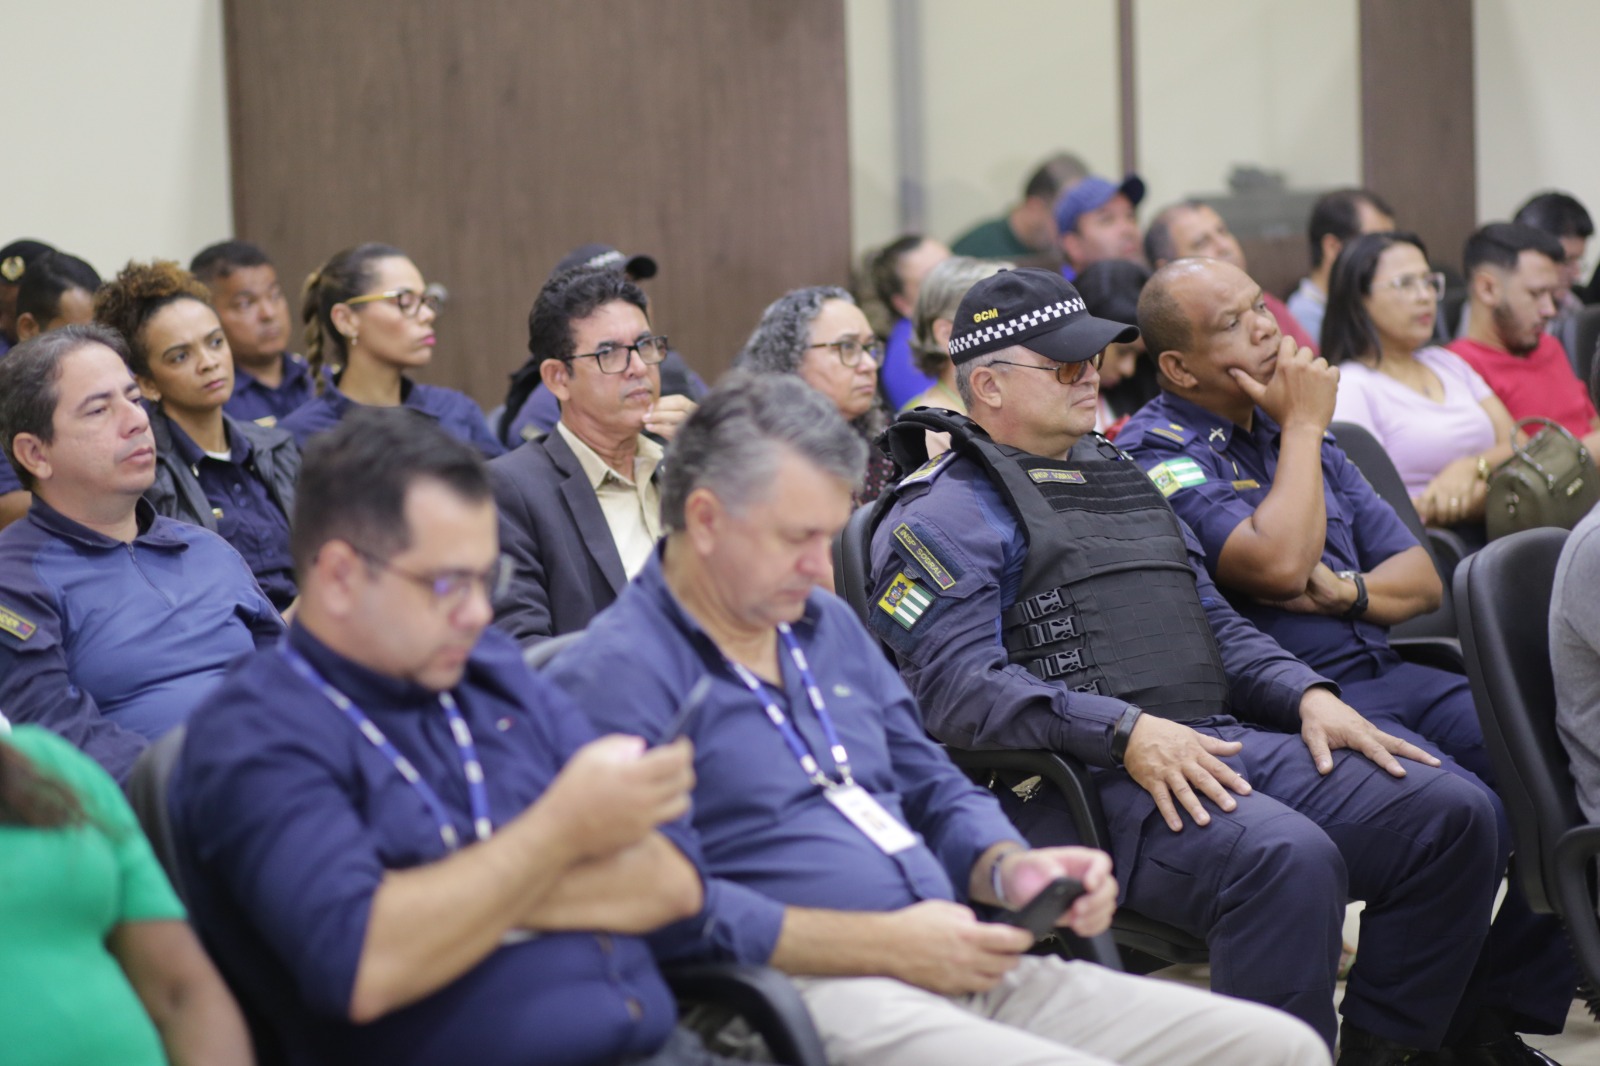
63, 996
992, 240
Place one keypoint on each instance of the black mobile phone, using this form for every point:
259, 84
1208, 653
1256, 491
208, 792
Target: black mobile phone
1040, 914
688, 711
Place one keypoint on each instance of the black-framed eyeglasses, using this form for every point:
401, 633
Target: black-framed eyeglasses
1066, 373
849, 349
450, 588
409, 301
614, 358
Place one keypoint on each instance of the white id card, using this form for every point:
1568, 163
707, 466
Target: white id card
868, 815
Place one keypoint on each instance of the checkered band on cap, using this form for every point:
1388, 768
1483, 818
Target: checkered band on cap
1023, 323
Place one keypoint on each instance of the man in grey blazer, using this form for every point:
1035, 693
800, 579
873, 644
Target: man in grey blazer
579, 509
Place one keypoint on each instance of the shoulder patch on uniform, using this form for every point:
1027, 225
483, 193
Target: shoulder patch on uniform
926, 471
1180, 435
922, 554
16, 625
1176, 474
1070, 477
905, 601
1246, 483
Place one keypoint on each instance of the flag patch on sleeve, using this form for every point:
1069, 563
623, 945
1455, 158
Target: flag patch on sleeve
1176, 474
905, 601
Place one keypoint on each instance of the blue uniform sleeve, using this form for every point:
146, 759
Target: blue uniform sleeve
958, 820
1379, 532
950, 654
35, 683
1265, 682
736, 923
469, 421
1198, 485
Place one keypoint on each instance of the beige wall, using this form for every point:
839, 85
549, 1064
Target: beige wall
1267, 83
1007, 83
117, 127
1537, 90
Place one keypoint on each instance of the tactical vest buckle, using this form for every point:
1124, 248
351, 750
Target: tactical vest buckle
1039, 634
1089, 688
1062, 662
1042, 604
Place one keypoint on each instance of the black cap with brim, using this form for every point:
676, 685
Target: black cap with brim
638, 267
1037, 309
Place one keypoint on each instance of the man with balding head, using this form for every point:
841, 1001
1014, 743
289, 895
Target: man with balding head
1302, 546
1193, 229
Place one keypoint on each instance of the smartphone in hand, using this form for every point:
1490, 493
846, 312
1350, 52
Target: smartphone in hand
1040, 914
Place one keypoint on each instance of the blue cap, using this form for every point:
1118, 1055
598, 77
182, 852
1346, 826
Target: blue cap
1091, 194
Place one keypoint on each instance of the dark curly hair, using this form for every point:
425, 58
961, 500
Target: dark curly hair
128, 301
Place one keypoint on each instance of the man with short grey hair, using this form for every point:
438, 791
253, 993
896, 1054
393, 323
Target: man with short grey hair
840, 844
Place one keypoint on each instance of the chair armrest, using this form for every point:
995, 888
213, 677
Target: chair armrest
1064, 773
1448, 551
1574, 893
1441, 652
764, 997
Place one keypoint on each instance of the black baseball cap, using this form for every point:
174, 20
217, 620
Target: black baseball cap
1038, 309
18, 256
637, 267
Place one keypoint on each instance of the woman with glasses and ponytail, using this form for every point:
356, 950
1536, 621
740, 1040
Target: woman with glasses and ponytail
820, 335
1439, 421
369, 319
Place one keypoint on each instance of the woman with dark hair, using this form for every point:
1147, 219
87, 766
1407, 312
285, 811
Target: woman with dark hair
234, 478
1438, 420
58, 290
369, 318
820, 335
100, 965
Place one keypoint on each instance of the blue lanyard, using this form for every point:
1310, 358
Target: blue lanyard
791, 736
476, 792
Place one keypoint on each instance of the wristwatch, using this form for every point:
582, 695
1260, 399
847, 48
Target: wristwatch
1358, 608
1122, 732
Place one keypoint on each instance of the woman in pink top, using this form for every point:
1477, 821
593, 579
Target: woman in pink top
1434, 415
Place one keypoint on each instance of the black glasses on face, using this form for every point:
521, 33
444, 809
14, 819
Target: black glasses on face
1066, 373
450, 588
849, 350
614, 358
409, 301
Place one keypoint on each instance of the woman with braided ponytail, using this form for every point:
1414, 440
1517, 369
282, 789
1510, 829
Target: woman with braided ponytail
235, 478
369, 318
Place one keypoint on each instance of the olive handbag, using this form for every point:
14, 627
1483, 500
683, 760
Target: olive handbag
1550, 480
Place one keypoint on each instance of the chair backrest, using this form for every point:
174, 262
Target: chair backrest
147, 795
1503, 601
538, 656
1579, 335
1376, 466
852, 551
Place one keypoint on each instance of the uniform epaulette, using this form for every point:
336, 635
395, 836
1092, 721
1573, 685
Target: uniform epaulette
928, 470
1171, 433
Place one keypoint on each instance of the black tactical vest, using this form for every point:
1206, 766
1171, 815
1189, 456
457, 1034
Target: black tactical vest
1107, 602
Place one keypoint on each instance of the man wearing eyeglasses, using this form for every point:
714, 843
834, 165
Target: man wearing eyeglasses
1058, 603
402, 845
115, 622
1514, 277
1305, 549
579, 508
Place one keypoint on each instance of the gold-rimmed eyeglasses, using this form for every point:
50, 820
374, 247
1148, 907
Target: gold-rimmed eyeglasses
1066, 373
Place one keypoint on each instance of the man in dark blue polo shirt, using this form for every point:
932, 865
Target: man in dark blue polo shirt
841, 844
402, 846
269, 381
1304, 547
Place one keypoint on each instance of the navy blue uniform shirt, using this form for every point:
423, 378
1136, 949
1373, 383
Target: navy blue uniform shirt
956, 664
254, 402
247, 517
456, 414
111, 644
288, 819
9, 482
1217, 475
767, 836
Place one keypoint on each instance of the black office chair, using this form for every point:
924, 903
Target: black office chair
1146, 944
1503, 597
1579, 334
762, 996
1430, 638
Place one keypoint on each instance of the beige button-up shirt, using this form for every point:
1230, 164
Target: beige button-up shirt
632, 506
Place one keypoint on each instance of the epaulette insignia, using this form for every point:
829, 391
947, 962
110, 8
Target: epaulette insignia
16, 625
928, 469
1177, 433
922, 554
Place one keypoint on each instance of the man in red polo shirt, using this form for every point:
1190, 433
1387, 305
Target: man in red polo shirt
1514, 273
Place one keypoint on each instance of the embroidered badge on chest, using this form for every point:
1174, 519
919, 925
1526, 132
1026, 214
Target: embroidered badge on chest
905, 601
1067, 477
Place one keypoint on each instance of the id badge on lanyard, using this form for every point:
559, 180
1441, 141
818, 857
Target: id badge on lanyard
858, 806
